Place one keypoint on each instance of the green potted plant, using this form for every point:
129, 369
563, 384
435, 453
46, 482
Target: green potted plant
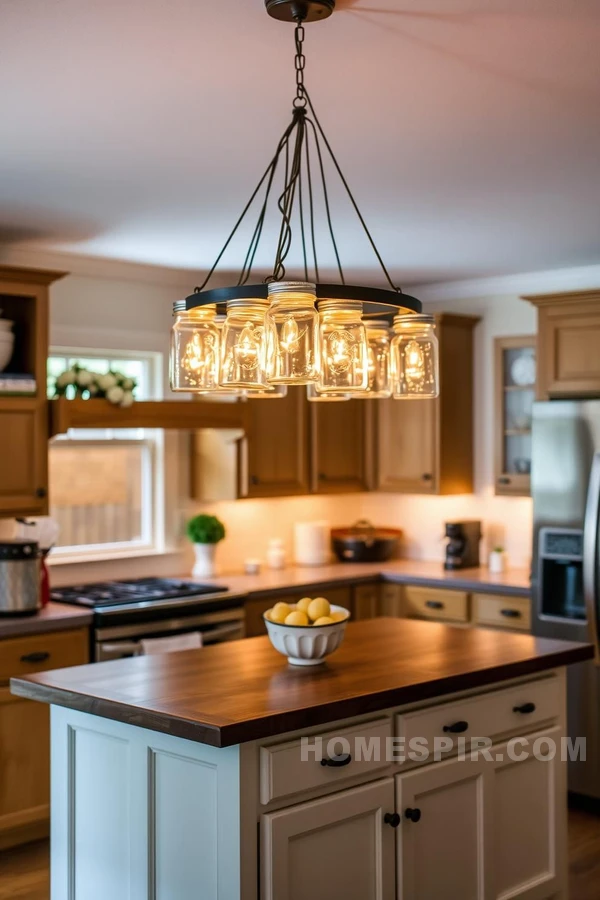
205, 532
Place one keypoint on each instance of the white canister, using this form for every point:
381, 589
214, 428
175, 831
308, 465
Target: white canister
312, 543
276, 554
497, 562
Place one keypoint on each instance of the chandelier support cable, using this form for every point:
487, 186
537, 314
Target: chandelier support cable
311, 206
326, 199
350, 195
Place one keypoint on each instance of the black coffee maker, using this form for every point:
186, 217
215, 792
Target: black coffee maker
462, 549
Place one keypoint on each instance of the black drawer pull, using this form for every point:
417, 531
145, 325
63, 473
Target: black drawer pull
254, 479
412, 814
525, 708
456, 728
392, 819
41, 492
504, 481
511, 613
434, 604
39, 656
427, 477
336, 762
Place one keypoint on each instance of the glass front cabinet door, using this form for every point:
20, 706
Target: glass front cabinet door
515, 393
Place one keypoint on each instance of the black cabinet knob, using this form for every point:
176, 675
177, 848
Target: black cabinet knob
504, 480
434, 604
511, 613
254, 479
413, 815
392, 819
525, 708
427, 476
336, 762
456, 728
41, 492
322, 476
38, 657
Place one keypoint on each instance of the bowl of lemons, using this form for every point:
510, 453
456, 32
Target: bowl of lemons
307, 631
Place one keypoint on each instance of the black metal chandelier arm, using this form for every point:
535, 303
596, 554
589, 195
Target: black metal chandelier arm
311, 205
252, 250
326, 199
286, 200
302, 228
350, 195
272, 165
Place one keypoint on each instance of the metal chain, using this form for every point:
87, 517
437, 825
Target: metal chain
300, 63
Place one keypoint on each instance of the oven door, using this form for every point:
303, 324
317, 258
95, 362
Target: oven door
121, 641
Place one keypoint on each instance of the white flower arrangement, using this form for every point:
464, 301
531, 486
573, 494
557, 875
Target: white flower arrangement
81, 382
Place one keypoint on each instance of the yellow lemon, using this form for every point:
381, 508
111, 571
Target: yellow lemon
318, 608
297, 617
304, 604
280, 611
324, 620
339, 616
268, 614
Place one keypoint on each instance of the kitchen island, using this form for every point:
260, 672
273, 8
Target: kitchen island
185, 775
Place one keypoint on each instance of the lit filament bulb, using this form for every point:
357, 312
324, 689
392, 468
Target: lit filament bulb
194, 355
290, 335
339, 357
247, 348
371, 365
414, 368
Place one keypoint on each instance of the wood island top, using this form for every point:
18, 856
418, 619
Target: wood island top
244, 690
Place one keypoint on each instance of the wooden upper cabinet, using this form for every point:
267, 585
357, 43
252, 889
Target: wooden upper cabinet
568, 344
276, 450
24, 420
341, 442
426, 446
514, 388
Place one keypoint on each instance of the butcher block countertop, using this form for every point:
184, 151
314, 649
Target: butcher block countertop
513, 582
244, 690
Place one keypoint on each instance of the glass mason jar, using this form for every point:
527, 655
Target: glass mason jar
194, 357
243, 345
343, 347
315, 397
379, 375
275, 392
415, 358
291, 326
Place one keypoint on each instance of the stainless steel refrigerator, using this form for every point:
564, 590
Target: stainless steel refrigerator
565, 483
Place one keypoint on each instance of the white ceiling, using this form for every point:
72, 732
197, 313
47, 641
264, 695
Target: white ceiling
468, 129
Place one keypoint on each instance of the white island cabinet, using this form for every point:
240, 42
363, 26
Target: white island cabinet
141, 814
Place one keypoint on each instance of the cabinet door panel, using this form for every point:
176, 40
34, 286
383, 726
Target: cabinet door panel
441, 857
527, 826
277, 463
338, 847
341, 438
24, 768
23, 457
406, 441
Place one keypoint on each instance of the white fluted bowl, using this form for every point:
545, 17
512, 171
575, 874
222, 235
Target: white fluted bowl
307, 645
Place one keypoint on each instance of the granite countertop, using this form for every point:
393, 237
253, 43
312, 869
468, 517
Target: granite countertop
54, 617
244, 690
513, 582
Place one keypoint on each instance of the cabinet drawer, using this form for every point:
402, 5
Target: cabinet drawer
525, 706
37, 652
366, 601
437, 603
283, 772
504, 612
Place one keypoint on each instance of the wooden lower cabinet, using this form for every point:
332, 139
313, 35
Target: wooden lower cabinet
25, 733
333, 848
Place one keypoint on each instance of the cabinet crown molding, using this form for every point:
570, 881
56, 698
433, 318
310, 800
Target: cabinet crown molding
566, 297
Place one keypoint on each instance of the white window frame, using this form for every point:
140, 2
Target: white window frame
153, 539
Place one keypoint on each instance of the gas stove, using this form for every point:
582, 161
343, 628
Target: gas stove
135, 593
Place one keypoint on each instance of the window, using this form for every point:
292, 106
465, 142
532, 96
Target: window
106, 484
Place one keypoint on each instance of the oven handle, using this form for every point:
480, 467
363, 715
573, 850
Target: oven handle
120, 649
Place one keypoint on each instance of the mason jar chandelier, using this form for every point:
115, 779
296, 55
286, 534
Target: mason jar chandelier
253, 340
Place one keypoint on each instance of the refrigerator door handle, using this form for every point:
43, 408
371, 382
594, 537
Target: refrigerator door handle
590, 554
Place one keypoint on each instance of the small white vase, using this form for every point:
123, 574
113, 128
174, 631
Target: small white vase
497, 562
204, 567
